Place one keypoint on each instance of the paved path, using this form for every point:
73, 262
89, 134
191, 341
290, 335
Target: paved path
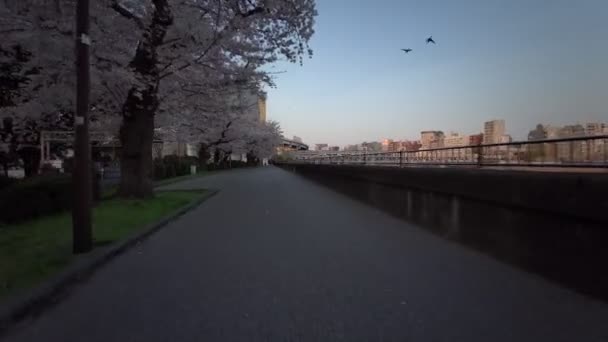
274, 257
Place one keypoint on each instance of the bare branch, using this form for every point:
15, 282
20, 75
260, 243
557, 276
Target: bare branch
127, 14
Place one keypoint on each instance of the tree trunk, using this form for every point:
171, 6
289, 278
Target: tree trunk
136, 137
137, 130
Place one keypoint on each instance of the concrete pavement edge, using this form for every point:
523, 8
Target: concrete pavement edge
34, 302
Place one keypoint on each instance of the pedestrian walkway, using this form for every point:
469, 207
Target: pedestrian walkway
276, 257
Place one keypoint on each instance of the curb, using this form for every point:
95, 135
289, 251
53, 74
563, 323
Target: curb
33, 302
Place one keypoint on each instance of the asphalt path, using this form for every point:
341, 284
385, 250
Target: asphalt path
276, 257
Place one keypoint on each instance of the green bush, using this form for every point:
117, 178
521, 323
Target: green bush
173, 166
39, 196
35, 197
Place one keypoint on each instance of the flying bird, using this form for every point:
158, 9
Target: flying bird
430, 40
406, 50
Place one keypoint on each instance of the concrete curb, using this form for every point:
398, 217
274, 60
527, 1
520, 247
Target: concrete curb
35, 301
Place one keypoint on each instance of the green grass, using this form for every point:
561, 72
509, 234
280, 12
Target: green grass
32, 251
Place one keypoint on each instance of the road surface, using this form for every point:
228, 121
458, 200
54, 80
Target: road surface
275, 257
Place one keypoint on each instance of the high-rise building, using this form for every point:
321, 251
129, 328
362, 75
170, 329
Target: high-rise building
493, 131
250, 102
455, 139
431, 139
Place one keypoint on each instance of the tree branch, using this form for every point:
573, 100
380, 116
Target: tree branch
127, 14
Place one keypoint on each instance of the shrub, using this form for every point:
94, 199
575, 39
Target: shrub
38, 196
35, 197
159, 169
48, 169
173, 166
68, 165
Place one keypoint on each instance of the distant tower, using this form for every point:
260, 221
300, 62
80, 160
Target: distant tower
262, 107
493, 131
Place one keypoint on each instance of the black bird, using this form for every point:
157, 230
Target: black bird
406, 50
430, 40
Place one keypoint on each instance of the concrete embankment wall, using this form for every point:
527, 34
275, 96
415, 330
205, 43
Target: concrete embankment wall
578, 195
552, 224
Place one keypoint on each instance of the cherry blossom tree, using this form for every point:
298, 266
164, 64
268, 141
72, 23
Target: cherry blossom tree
172, 60
185, 35
37, 67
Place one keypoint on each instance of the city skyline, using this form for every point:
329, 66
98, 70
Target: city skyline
528, 62
521, 136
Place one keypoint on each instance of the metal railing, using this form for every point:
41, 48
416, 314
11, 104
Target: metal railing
587, 151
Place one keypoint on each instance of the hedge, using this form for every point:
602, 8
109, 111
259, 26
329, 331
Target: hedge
38, 196
173, 166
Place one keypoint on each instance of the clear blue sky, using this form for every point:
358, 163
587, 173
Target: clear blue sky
525, 61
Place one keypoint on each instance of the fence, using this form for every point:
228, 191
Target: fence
589, 151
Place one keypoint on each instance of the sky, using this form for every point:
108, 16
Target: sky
525, 61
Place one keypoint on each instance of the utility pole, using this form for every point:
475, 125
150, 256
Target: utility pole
82, 178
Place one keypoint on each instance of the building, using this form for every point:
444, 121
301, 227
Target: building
493, 131
571, 131
539, 133
505, 139
334, 148
372, 146
168, 148
251, 102
431, 139
387, 144
321, 147
455, 140
542, 132
596, 128
262, 108
410, 146
476, 139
